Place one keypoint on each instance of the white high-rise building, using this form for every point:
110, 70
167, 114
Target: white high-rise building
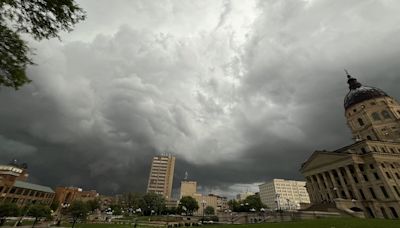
280, 194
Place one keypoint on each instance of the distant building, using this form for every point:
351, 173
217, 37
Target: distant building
67, 195
283, 194
161, 175
363, 177
243, 195
188, 188
15, 189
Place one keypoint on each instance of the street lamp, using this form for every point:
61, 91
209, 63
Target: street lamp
203, 203
278, 204
262, 210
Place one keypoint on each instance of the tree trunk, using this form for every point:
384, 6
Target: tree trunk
73, 224
34, 222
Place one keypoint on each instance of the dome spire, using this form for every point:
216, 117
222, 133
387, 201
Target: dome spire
353, 83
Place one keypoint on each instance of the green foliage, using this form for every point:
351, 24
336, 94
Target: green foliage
54, 205
188, 203
42, 19
78, 210
250, 202
209, 210
38, 211
133, 200
116, 209
254, 201
9, 209
153, 201
92, 205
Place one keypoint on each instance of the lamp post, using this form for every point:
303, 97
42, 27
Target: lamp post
278, 204
262, 210
203, 203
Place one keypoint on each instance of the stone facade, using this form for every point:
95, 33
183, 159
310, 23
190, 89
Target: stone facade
364, 177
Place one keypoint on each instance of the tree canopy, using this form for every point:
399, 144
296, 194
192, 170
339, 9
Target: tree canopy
209, 210
188, 204
42, 19
78, 210
38, 211
251, 202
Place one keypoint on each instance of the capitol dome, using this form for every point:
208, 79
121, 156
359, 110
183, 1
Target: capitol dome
359, 93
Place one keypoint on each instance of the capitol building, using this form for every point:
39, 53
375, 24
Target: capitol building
361, 179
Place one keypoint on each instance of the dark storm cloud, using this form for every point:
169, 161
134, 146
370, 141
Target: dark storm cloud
241, 96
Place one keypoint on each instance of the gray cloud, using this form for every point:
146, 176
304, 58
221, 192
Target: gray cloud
237, 105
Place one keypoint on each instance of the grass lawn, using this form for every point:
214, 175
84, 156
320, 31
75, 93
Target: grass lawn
316, 223
325, 223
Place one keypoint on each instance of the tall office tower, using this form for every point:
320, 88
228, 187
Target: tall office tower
161, 175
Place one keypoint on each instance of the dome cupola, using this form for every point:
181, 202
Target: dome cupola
359, 93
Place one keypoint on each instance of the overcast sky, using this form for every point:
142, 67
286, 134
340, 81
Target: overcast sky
239, 91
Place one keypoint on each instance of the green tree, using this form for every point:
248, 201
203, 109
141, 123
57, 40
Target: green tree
38, 211
209, 210
42, 19
188, 204
153, 202
8, 209
93, 204
233, 205
77, 210
54, 205
253, 201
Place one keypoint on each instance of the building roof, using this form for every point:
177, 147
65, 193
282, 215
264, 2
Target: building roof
359, 93
26, 185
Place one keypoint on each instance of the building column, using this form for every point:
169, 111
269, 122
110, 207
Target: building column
310, 189
335, 184
316, 190
328, 187
322, 189
352, 183
344, 186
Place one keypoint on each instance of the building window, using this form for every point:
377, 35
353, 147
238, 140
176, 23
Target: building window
360, 122
361, 167
376, 116
376, 175
384, 213
365, 177
372, 193
370, 212
396, 190
384, 191
371, 166
388, 175
386, 114
369, 137
394, 213
382, 164
397, 175
362, 194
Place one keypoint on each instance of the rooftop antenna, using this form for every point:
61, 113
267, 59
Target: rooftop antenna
347, 73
